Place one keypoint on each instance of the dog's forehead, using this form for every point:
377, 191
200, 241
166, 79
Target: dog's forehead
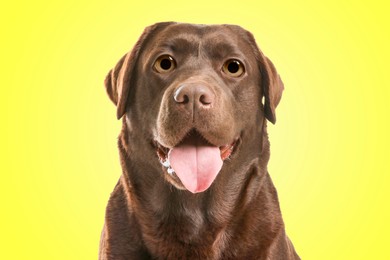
226, 38
197, 31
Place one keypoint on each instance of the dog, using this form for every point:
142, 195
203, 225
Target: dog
194, 100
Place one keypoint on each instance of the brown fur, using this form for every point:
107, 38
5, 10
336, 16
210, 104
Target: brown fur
149, 214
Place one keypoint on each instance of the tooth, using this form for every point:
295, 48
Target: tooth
170, 171
166, 163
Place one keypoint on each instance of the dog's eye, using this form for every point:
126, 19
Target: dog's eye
233, 68
164, 64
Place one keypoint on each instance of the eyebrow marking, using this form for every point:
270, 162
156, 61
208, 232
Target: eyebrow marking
222, 50
180, 44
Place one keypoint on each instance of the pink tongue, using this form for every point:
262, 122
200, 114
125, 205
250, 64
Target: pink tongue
196, 163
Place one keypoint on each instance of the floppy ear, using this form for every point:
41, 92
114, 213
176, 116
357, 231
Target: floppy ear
121, 78
271, 83
272, 87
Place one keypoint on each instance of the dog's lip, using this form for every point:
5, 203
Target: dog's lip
162, 152
225, 150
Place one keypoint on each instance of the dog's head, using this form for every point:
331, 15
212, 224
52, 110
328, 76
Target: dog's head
196, 92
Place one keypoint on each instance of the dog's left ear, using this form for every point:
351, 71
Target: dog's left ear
272, 85
120, 79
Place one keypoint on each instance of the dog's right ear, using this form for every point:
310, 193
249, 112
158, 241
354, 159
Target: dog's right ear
110, 81
120, 79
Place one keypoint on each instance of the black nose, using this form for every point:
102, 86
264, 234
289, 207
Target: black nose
194, 96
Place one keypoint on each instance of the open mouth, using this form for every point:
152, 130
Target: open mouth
194, 162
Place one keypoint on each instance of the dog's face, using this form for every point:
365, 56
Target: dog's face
194, 92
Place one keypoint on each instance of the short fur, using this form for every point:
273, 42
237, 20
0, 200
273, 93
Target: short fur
149, 214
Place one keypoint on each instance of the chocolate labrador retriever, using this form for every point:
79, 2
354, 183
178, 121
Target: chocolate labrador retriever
194, 148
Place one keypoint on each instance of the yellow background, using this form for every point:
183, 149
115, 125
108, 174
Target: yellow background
330, 145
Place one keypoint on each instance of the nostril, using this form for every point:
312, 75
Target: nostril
205, 99
184, 99
181, 99
180, 96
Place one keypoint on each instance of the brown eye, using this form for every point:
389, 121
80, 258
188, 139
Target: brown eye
164, 64
233, 68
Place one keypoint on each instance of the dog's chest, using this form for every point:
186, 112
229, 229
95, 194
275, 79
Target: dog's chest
186, 234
